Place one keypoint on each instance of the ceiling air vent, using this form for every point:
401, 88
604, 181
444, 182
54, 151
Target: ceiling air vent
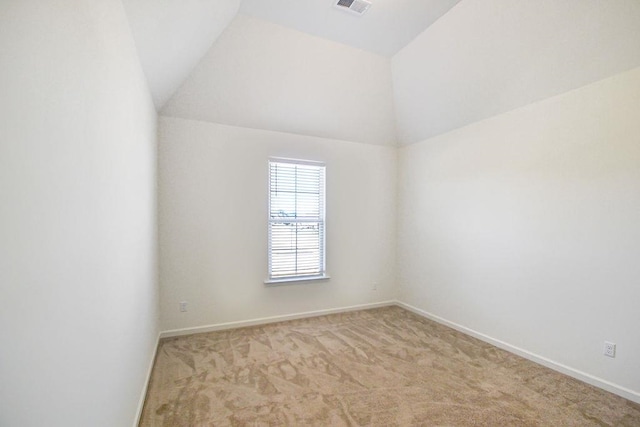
357, 7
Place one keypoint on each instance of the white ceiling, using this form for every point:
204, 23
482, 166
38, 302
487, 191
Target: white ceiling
487, 57
454, 62
172, 36
266, 76
384, 29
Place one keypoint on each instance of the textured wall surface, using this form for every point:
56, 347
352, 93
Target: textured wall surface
79, 317
524, 227
213, 223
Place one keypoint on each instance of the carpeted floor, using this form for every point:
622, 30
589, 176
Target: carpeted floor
380, 367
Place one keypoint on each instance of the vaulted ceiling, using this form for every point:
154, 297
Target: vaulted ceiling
403, 72
487, 57
173, 35
384, 29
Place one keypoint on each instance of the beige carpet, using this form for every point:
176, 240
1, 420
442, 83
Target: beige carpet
381, 367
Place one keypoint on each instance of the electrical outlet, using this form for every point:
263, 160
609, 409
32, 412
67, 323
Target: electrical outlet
609, 349
183, 306
374, 287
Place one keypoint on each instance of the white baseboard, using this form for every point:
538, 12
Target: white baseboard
143, 395
567, 370
556, 366
272, 319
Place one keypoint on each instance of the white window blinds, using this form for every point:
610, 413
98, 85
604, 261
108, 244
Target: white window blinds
296, 219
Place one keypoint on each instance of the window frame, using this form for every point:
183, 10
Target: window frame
283, 280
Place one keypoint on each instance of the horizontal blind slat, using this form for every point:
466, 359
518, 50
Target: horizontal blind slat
296, 219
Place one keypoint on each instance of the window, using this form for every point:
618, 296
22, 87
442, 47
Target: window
296, 220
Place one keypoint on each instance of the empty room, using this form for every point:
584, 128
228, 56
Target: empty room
319, 212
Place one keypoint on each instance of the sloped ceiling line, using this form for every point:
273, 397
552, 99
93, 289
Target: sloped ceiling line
449, 63
173, 35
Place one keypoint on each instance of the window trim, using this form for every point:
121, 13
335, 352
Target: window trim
290, 280
296, 279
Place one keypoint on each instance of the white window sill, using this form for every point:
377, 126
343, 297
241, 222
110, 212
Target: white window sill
291, 280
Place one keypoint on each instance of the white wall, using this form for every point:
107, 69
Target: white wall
524, 227
487, 57
78, 323
213, 223
263, 76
